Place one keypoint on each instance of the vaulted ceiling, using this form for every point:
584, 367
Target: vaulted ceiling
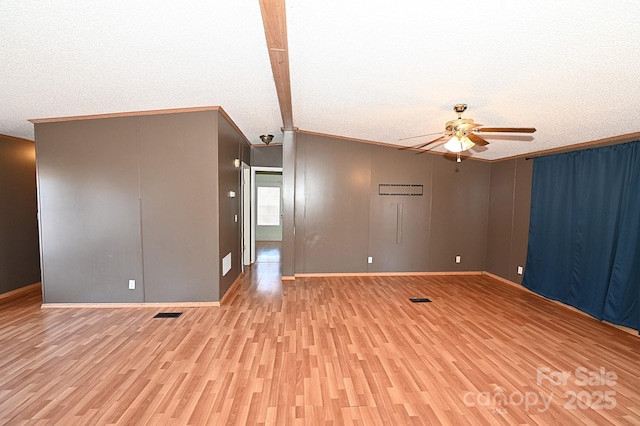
371, 70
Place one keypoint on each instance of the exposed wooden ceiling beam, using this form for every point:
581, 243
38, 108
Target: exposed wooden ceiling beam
274, 19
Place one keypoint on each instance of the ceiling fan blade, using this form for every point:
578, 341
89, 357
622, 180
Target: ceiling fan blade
507, 129
422, 151
477, 139
467, 126
420, 136
422, 145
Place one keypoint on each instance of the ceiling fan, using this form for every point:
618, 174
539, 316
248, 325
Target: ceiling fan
463, 133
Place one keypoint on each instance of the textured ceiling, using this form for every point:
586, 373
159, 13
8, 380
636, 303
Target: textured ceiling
371, 70
78, 57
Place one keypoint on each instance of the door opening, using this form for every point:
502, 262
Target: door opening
266, 216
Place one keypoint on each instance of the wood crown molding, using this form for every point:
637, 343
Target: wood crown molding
15, 138
219, 109
613, 140
126, 114
385, 144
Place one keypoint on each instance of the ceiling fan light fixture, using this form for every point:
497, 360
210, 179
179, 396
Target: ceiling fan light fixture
458, 144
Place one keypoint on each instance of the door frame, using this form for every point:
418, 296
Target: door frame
255, 169
246, 215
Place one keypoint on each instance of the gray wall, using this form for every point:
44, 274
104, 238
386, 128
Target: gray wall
459, 214
398, 225
333, 181
120, 193
89, 210
266, 155
341, 219
509, 205
178, 177
231, 145
19, 252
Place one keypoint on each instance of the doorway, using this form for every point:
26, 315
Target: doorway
266, 217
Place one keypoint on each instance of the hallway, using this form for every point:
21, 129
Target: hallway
268, 251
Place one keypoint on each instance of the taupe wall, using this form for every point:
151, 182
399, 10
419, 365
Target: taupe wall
341, 219
19, 252
178, 176
333, 181
120, 193
89, 210
231, 145
399, 225
245, 152
459, 214
266, 155
509, 205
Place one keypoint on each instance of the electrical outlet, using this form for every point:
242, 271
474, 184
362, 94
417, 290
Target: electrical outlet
370, 259
236, 218
519, 270
458, 259
132, 284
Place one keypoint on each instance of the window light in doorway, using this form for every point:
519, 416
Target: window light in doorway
268, 209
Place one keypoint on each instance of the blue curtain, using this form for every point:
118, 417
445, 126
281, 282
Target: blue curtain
584, 232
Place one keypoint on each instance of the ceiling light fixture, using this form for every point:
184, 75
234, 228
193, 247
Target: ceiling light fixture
266, 139
458, 143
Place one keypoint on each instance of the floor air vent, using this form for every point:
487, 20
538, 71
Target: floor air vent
419, 299
168, 315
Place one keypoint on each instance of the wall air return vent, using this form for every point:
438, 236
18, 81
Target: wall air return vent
400, 189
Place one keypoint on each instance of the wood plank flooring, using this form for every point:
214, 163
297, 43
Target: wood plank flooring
321, 351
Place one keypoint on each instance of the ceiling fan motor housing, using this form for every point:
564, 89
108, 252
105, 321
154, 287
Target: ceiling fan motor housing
461, 124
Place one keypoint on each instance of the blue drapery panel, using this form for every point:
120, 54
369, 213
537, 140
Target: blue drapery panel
584, 232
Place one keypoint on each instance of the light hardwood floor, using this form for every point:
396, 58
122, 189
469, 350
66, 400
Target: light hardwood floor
321, 351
